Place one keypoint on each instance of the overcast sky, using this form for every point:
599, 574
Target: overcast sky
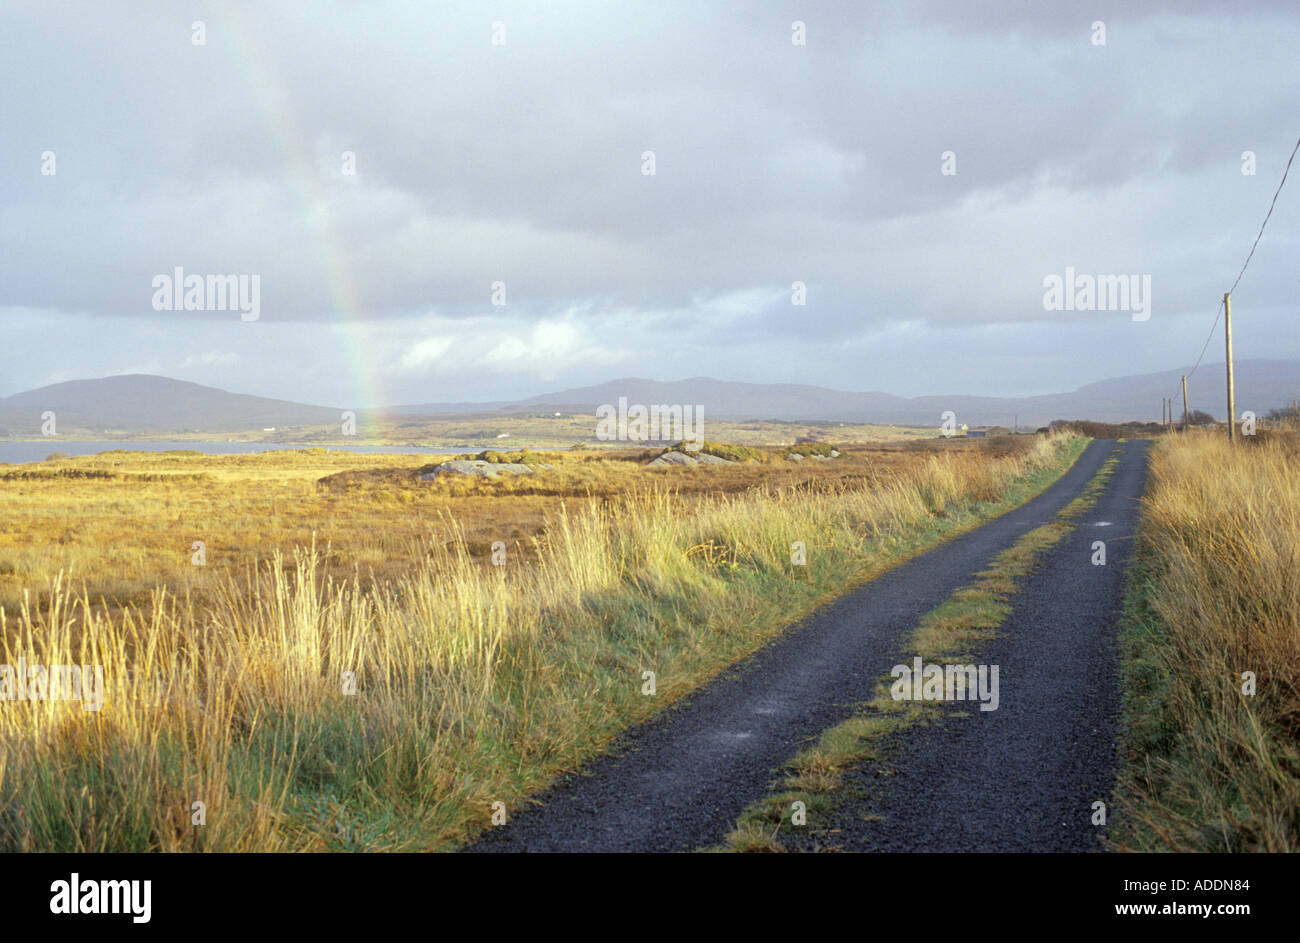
521, 161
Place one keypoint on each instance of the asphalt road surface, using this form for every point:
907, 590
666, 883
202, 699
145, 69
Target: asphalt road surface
1025, 776
679, 781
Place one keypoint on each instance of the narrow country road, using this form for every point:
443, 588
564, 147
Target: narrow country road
679, 781
1023, 777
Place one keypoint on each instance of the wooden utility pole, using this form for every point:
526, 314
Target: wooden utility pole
1184, 403
1227, 341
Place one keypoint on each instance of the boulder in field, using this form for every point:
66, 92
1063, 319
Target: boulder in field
688, 458
480, 469
672, 458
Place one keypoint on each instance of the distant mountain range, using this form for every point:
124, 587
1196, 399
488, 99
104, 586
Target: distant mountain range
1260, 385
141, 403
155, 405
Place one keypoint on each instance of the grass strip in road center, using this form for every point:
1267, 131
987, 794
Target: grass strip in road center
812, 785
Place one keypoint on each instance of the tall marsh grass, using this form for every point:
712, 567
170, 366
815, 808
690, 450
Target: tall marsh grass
1215, 594
306, 713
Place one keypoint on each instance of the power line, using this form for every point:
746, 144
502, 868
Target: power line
1209, 337
1251, 255
1270, 213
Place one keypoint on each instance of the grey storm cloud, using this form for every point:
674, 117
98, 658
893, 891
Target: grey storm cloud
521, 163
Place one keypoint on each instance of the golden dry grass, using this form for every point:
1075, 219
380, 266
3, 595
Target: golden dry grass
473, 683
1216, 594
121, 524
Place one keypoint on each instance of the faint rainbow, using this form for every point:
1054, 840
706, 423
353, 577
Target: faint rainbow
304, 176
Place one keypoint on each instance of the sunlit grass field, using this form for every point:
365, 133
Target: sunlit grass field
349, 672
503, 430
121, 524
1212, 760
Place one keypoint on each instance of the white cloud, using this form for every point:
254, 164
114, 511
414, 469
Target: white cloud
549, 348
422, 355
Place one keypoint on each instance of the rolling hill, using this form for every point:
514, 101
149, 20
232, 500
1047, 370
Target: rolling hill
139, 403
143, 404
1261, 385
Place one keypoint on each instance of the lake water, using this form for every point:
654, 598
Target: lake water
36, 451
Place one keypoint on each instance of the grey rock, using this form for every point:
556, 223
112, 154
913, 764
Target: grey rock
480, 469
673, 458
688, 458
